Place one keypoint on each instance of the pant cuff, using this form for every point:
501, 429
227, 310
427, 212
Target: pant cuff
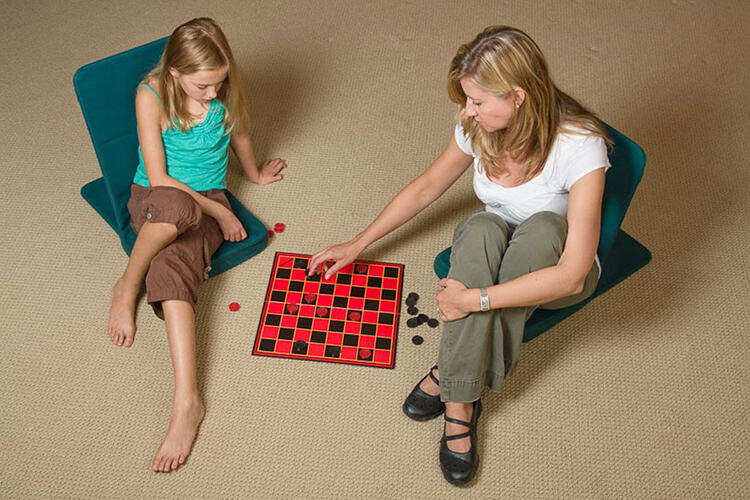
460, 391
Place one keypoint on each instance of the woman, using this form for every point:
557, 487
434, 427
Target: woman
539, 162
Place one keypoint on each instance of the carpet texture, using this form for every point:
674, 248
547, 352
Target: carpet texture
642, 394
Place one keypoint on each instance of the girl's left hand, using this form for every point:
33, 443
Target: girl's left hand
454, 301
270, 171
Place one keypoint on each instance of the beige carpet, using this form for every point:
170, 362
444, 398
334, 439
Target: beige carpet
643, 394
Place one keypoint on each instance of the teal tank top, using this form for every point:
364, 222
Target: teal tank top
197, 157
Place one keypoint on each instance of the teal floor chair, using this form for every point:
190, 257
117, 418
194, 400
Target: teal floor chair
620, 254
106, 94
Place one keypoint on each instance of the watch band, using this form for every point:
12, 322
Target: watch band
484, 300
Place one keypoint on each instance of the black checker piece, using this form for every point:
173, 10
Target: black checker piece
299, 347
333, 351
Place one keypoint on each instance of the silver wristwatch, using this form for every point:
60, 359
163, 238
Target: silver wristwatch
484, 300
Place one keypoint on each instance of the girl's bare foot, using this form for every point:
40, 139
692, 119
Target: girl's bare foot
183, 427
121, 328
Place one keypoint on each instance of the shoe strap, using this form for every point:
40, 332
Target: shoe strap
459, 422
434, 379
457, 436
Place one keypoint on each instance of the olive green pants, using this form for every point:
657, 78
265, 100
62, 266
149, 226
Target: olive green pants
482, 348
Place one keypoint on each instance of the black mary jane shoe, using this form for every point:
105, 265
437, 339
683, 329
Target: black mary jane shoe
421, 406
459, 468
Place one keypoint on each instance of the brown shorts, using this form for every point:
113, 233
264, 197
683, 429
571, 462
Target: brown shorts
178, 269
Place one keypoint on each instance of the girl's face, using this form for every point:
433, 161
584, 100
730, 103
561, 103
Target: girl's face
201, 86
489, 111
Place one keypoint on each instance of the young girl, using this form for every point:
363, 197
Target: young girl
189, 109
539, 159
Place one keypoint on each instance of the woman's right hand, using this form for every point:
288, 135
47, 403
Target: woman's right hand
333, 258
230, 225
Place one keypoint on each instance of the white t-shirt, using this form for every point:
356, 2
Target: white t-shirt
572, 156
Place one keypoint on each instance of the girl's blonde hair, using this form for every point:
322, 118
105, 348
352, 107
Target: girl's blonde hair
199, 45
499, 60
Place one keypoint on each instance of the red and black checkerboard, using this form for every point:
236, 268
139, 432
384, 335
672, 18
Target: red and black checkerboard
350, 318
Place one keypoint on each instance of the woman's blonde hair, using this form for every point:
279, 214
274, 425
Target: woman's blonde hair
499, 60
199, 45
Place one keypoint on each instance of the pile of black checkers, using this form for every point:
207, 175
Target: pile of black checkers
417, 319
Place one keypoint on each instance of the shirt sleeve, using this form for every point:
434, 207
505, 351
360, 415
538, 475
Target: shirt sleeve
464, 144
589, 156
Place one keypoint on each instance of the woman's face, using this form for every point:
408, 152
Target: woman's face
489, 111
201, 86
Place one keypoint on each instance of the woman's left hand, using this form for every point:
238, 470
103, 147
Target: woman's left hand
454, 300
270, 171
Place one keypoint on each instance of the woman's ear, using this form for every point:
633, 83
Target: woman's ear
175, 74
519, 95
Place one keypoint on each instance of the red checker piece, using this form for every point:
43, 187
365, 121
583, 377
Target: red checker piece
321, 312
279, 227
355, 316
361, 268
234, 306
270, 234
365, 354
292, 308
309, 298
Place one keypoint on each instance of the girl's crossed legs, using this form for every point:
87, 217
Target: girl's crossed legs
172, 250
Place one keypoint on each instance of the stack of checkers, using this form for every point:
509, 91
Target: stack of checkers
417, 319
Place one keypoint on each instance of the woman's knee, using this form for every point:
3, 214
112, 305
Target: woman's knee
544, 228
482, 225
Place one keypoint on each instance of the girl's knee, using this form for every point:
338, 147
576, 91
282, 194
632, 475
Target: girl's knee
166, 204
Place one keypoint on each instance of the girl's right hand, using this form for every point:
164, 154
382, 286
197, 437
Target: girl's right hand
230, 225
333, 258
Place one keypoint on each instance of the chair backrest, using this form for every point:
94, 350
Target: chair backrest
106, 94
628, 161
